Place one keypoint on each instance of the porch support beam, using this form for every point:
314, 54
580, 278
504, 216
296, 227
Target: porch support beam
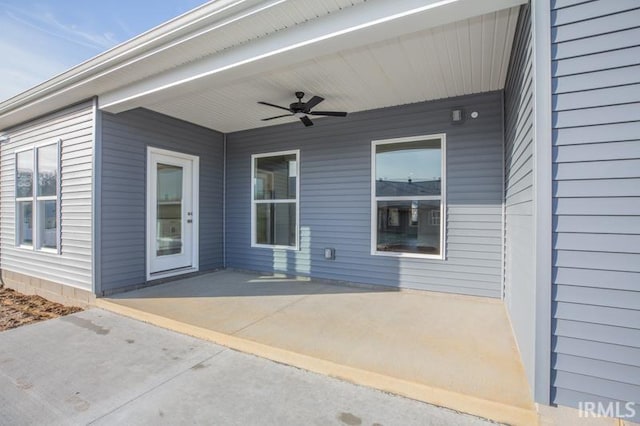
370, 22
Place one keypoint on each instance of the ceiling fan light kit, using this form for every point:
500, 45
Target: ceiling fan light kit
302, 110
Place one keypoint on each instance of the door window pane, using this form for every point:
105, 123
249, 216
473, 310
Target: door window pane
48, 224
47, 170
169, 210
408, 226
408, 168
25, 222
24, 174
275, 177
276, 224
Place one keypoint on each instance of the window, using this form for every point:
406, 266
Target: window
274, 209
37, 197
408, 187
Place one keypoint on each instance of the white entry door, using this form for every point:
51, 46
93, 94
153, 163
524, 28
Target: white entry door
172, 207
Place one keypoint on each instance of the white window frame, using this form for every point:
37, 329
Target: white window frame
254, 202
442, 197
37, 244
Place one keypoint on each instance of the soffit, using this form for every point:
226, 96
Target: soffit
465, 57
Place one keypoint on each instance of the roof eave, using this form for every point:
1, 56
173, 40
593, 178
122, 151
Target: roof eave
128, 50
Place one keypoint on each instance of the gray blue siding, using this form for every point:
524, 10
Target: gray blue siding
335, 185
73, 266
519, 225
596, 204
125, 138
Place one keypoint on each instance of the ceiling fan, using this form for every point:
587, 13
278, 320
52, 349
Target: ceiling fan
303, 109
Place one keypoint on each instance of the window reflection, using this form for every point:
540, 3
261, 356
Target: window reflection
169, 210
275, 199
408, 196
398, 232
275, 177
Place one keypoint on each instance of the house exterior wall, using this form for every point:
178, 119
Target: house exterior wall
335, 200
519, 193
74, 127
125, 138
596, 202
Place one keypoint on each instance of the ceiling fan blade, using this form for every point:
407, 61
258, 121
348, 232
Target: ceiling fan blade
330, 113
312, 102
306, 121
277, 116
272, 105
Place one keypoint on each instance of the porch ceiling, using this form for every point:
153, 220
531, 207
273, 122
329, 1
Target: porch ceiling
464, 57
210, 66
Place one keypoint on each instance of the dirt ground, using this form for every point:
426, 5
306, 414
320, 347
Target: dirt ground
17, 309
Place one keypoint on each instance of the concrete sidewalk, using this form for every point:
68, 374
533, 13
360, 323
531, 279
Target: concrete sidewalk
96, 367
448, 350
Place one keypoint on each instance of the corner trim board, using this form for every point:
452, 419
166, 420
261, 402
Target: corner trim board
541, 38
96, 201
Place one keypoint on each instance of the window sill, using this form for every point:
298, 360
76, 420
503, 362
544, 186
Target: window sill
48, 250
408, 255
267, 246
40, 250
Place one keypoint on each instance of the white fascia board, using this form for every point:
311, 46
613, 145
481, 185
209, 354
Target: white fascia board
367, 23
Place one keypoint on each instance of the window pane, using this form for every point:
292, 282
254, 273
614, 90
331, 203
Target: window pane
408, 168
276, 224
47, 170
169, 210
25, 222
409, 226
24, 174
275, 177
47, 224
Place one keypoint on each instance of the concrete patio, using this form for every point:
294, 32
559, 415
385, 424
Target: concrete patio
99, 368
448, 350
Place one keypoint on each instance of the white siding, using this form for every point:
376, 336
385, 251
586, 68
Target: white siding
74, 126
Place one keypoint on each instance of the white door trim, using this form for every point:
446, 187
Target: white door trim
195, 185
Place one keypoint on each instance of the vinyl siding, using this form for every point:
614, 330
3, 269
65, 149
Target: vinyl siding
74, 126
125, 138
335, 209
519, 226
596, 205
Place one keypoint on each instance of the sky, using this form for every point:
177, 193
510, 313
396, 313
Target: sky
42, 38
415, 164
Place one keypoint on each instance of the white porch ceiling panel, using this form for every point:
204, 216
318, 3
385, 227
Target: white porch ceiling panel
465, 57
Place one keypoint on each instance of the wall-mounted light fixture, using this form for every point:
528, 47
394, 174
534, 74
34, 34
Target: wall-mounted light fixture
457, 116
